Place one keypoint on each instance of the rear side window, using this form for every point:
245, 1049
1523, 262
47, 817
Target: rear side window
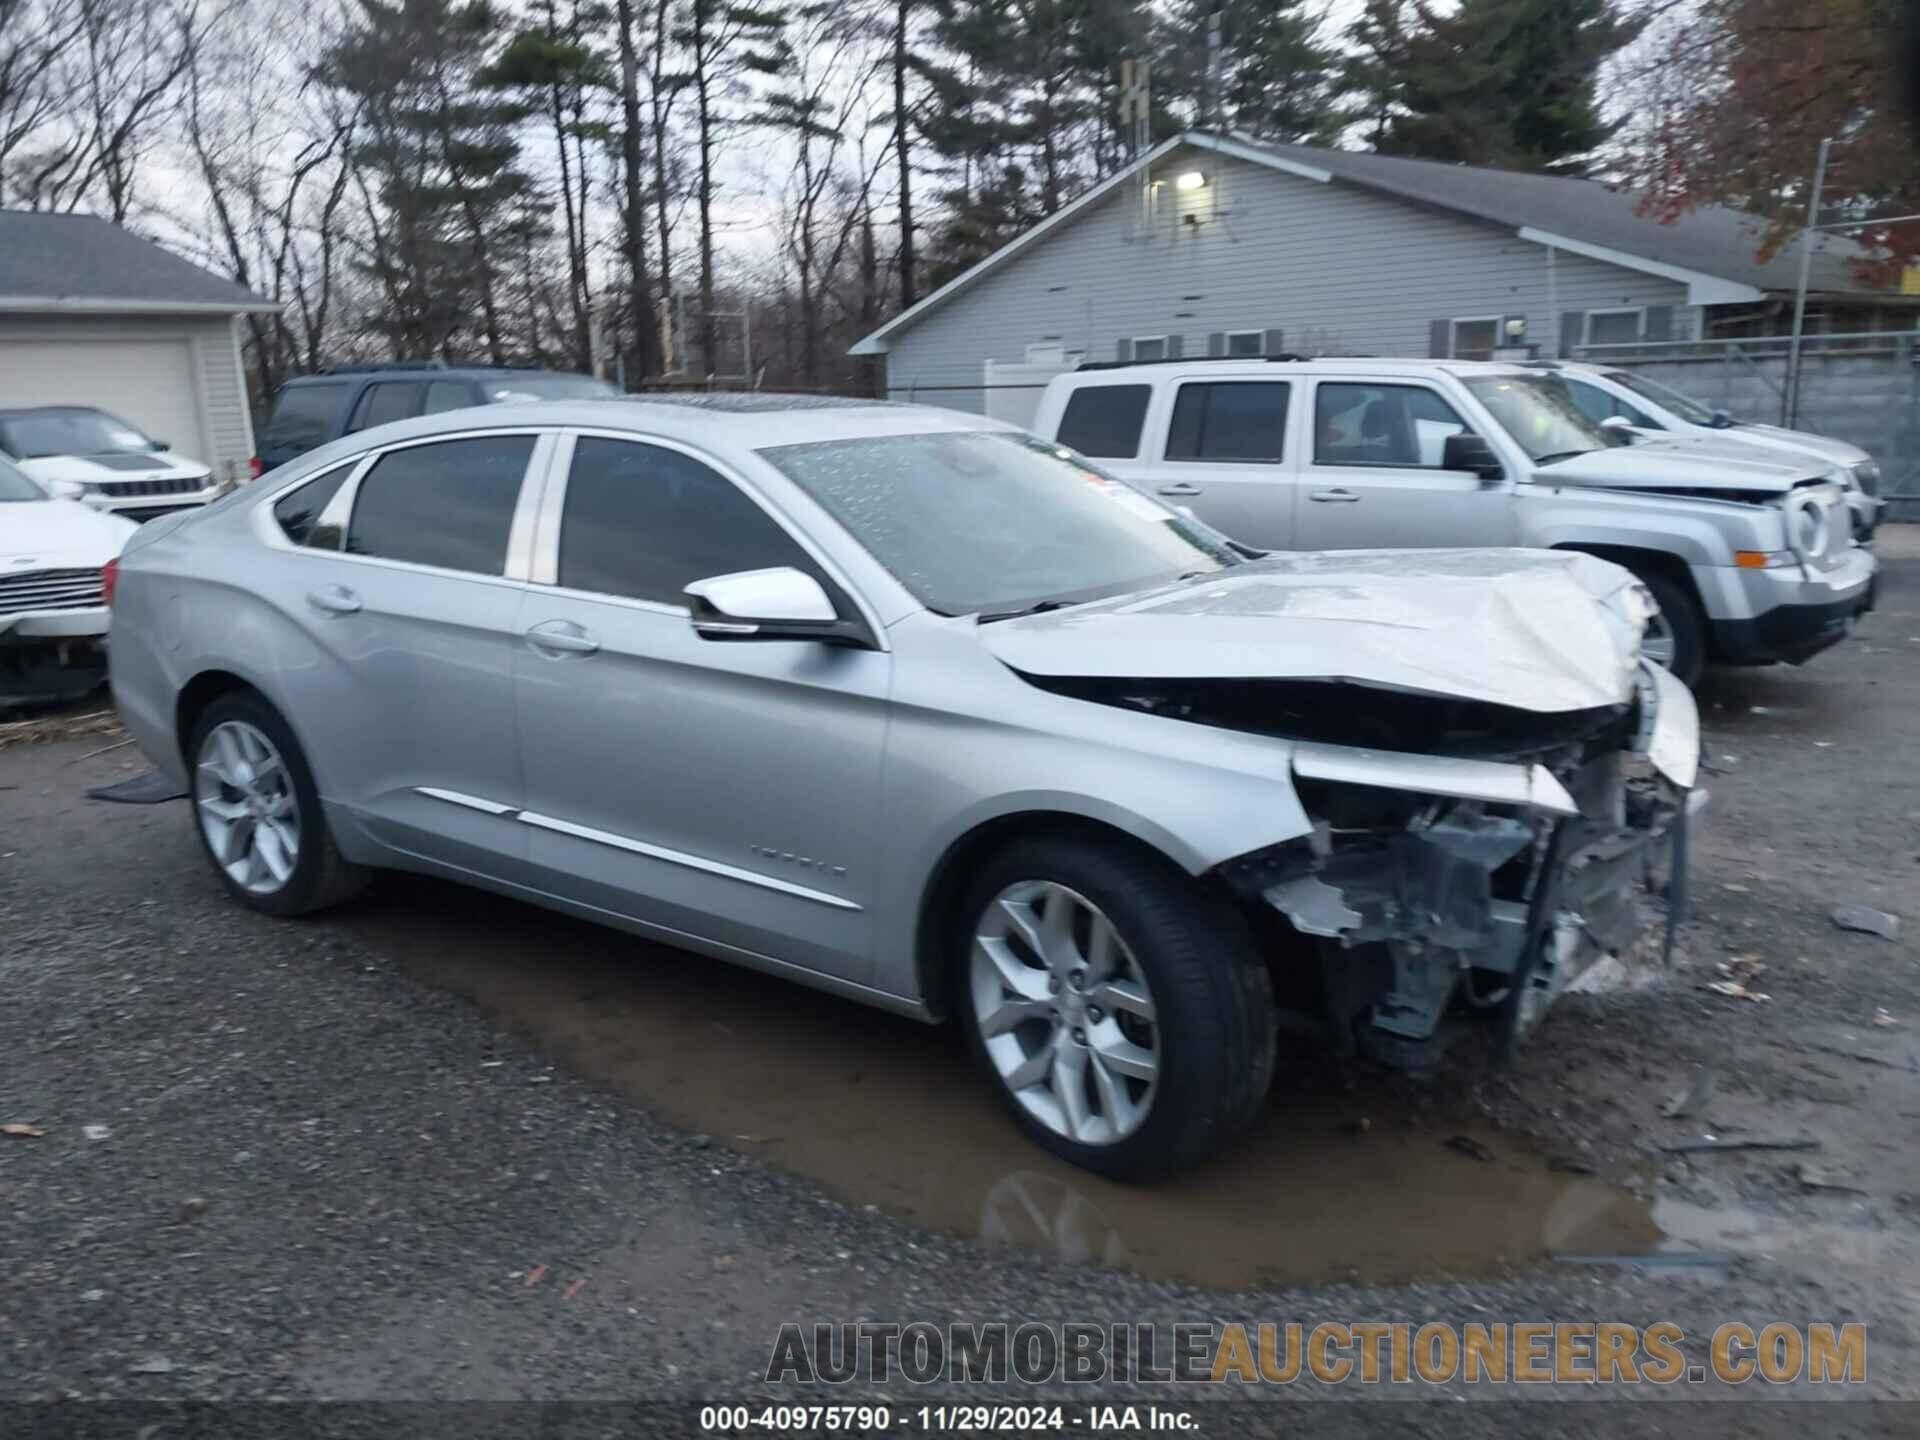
1243, 420
450, 504
647, 522
299, 510
1104, 420
303, 416
449, 395
385, 402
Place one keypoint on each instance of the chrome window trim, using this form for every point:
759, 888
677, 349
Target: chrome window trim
546, 560
636, 847
518, 561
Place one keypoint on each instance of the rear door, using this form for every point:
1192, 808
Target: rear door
305, 416
405, 585
385, 401
1224, 454
726, 790
1373, 476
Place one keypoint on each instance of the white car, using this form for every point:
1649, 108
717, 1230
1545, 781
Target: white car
101, 459
53, 602
1646, 407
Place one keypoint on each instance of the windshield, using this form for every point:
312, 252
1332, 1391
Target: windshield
14, 485
70, 432
1685, 406
1540, 415
992, 522
549, 387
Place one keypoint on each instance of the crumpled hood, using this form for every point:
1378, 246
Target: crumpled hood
1539, 630
58, 535
1822, 447
1678, 465
92, 470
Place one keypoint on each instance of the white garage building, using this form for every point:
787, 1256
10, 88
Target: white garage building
91, 314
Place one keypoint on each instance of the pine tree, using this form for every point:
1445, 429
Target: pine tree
1374, 67
1280, 77
1508, 83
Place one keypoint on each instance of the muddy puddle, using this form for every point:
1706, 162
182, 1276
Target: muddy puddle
887, 1112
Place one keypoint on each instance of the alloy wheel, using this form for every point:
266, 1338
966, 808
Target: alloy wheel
1657, 642
248, 812
1064, 1012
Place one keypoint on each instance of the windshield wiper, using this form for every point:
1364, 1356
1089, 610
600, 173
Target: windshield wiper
1558, 456
1039, 607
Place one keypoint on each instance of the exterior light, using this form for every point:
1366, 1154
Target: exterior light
1190, 180
1516, 327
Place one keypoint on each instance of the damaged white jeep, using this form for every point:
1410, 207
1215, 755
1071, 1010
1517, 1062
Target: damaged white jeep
910, 706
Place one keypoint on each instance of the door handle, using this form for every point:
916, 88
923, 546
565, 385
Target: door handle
561, 637
1333, 497
334, 600
1180, 487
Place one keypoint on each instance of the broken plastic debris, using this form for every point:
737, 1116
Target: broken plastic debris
1882, 1018
21, 1130
1867, 921
96, 1132
1736, 990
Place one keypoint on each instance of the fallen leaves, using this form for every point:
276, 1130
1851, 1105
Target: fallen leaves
1738, 975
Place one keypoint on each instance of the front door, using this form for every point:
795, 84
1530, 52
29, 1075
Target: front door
1225, 458
1373, 476
724, 789
401, 687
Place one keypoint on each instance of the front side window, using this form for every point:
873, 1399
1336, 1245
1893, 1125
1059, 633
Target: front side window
1405, 426
1105, 420
1540, 415
1597, 405
995, 522
449, 504
1680, 403
16, 486
381, 404
299, 510
303, 415
72, 432
1475, 339
1243, 420
646, 522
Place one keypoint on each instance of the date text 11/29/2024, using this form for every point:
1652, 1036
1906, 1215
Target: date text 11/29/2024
934, 1419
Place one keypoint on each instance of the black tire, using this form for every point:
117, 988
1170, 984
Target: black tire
1214, 1020
321, 875
1682, 613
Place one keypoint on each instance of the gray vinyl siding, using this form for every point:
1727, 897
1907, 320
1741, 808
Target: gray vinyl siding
1337, 270
226, 431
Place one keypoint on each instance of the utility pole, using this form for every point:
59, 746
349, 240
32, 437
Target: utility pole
1790, 395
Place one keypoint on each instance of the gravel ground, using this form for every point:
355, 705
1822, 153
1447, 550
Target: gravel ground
294, 1162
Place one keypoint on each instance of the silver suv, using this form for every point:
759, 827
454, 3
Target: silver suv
1750, 556
912, 707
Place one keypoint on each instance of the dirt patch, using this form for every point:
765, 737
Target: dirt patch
80, 722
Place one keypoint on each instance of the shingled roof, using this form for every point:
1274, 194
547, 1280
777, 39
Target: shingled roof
65, 264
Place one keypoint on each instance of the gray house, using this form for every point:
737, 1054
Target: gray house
1215, 245
91, 314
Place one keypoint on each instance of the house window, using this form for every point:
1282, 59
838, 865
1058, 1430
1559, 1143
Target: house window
1149, 347
1475, 337
1247, 343
1614, 327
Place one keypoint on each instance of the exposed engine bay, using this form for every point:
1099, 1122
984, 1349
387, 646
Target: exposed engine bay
1475, 862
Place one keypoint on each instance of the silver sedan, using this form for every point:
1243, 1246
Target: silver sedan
910, 706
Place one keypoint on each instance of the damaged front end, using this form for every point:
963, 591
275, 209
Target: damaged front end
1436, 884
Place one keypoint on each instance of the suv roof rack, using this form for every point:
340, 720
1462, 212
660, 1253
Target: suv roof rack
356, 367
1283, 357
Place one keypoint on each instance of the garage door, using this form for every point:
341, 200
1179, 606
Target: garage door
149, 382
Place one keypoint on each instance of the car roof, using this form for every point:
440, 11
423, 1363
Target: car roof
745, 421
1278, 369
21, 411
424, 372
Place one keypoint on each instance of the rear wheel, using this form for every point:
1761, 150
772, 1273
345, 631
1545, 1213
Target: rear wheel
1118, 1007
258, 813
1676, 638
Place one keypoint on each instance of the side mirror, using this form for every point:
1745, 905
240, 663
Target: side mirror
1465, 450
777, 604
1722, 420
66, 489
1620, 429
163, 444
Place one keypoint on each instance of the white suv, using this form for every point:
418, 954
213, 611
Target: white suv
1750, 557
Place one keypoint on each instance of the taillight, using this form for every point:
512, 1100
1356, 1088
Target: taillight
255, 469
109, 578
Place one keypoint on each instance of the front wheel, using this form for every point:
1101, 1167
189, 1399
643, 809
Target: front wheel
1119, 1007
1676, 638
